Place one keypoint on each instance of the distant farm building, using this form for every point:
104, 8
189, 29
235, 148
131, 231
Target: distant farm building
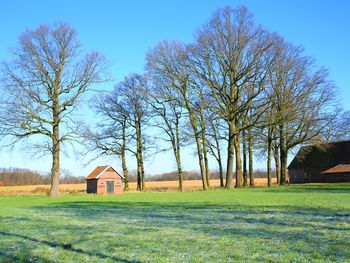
104, 180
321, 163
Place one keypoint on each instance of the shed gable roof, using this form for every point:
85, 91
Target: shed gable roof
323, 155
99, 170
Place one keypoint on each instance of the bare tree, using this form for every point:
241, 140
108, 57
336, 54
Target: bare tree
134, 92
170, 115
44, 83
244, 153
168, 61
303, 98
111, 135
215, 134
230, 56
200, 105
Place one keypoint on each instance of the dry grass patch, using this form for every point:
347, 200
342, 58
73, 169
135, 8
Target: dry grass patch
160, 186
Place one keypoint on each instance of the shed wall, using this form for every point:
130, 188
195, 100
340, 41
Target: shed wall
102, 185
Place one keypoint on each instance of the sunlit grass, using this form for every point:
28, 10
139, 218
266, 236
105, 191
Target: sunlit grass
291, 224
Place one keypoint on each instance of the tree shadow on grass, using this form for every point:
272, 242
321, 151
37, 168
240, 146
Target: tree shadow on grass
5, 257
166, 214
209, 218
289, 224
67, 246
336, 188
24, 255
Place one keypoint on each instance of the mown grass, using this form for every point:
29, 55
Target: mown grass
291, 224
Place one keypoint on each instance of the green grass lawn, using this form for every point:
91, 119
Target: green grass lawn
291, 224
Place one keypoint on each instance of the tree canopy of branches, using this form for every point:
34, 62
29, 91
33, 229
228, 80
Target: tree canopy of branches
168, 64
169, 119
112, 133
134, 91
304, 100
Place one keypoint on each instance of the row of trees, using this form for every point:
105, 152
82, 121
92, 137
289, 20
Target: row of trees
236, 91
19, 176
237, 84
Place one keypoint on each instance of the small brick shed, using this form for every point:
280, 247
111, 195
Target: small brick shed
104, 180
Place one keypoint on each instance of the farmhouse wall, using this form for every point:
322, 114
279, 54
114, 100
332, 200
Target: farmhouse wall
298, 176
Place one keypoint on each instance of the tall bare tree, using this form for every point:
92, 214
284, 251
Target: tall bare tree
230, 56
168, 61
134, 91
303, 98
200, 106
111, 135
215, 134
170, 117
44, 83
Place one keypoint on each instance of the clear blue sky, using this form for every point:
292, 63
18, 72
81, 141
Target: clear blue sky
124, 30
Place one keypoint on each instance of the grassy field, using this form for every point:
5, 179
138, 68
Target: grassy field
303, 223
189, 185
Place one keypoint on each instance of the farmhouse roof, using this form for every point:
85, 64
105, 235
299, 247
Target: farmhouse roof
341, 168
95, 174
322, 155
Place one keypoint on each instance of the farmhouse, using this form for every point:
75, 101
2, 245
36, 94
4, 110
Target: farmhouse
104, 180
321, 163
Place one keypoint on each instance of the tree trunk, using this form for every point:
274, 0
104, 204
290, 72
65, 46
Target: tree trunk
269, 146
142, 172
141, 165
198, 144
200, 160
205, 154
218, 152
284, 171
277, 163
245, 171
139, 187
283, 157
176, 149
230, 156
125, 169
250, 151
55, 169
221, 173
125, 172
239, 176
179, 170
138, 158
